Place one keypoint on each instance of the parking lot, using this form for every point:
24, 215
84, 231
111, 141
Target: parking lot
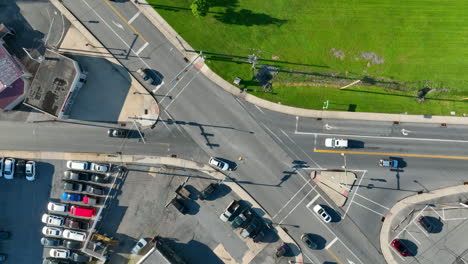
143, 210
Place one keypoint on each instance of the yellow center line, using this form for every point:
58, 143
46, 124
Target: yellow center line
125, 20
334, 256
391, 154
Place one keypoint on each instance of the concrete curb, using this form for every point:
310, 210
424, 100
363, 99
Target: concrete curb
156, 160
407, 202
94, 42
191, 54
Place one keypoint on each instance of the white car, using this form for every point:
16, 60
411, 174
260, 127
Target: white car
74, 235
9, 168
51, 231
388, 163
336, 143
99, 167
1, 167
56, 207
215, 162
59, 253
139, 245
77, 165
322, 213
53, 219
30, 170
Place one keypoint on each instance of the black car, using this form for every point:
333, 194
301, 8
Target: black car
207, 191
70, 244
94, 189
79, 258
4, 235
179, 204
117, 132
307, 239
71, 186
20, 168
151, 76
51, 242
76, 224
100, 178
426, 223
76, 176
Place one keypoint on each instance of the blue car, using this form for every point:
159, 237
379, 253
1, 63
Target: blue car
72, 197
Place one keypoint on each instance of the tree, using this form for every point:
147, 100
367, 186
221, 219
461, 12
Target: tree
200, 8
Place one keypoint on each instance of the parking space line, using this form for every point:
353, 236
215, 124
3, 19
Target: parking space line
334, 256
422, 230
313, 200
284, 206
368, 208
437, 213
354, 195
142, 48
295, 206
396, 252
409, 233
134, 17
331, 243
372, 201
420, 213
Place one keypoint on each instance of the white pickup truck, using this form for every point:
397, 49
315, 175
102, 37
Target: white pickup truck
336, 143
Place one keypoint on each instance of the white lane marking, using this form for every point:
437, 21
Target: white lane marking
175, 123
331, 243
134, 17
305, 196
354, 194
396, 252
437, 213
311, 261
259, 109
349, 261
272, 133
354, 202
381, 137
409, 233
313, 200
297, 121
142, 48
372, 201
174, 86
181, 90
405, 132
310, 158
286, 204
409, 223
118, 25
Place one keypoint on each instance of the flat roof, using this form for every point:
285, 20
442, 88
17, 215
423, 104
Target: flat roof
52, 83
155, 257
9, 70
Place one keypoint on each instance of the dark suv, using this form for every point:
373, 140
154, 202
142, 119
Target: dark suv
207, 191
426, 223
76, 224
75, 176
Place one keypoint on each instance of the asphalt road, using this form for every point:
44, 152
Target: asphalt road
271, 147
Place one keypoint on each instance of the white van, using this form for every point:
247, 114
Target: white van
74, 235
78, 165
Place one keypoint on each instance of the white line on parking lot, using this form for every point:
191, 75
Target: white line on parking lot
134, 17
409, 233
142, 48
299, 191
420, 213
368, 208
372, 201
295, 206
422, 230
313, 200
331, 243
354, 194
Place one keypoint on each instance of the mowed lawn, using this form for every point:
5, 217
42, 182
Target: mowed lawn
418, 43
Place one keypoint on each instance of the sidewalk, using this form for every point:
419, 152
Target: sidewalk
139, 104
156, 160
184, 47
404, 204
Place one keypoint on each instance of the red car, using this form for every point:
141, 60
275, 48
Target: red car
396, 243
82, 211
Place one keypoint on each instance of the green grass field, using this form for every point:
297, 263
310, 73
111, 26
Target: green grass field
416, 44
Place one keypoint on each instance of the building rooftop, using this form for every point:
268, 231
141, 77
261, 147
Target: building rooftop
52, 83
9, 70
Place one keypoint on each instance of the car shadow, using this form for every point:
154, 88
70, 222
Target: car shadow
193, 251
355, 144
436, 224
319, 240
401, 162
221, 191
412, 247
335, 216
192, 207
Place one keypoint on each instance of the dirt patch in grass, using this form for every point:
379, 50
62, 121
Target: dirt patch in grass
372, 58
337, 53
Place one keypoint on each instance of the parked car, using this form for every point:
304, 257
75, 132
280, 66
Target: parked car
20, 168
9, 168
76, 176
2, 160
241, 218
53, 219
139, 245
117, 132
30, 170
76, 224
57, 207
388, 163
79, 258
100, 178
151, 76
82, 211
51, 231
74, 235
426, 223
218, 163
4, 235
55, 261
92, 189
99, 167
252, 228
91, 200
207, 191
72, 186
400, 247
179, 205
282, 250
78, 165
72, 197
229, 211
336, 143
51, 242
59, 253
322, 213
71, 244
307, 239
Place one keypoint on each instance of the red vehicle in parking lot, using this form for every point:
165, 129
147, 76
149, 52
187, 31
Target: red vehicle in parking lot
396, 243
82, 211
